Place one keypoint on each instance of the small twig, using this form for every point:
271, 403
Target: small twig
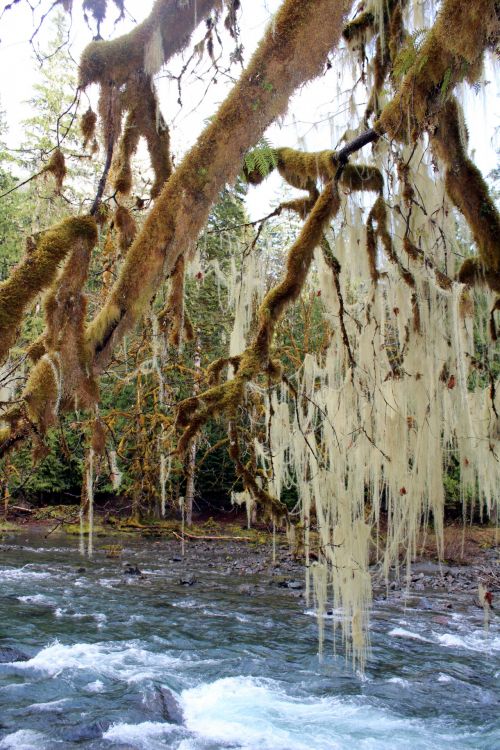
215, 538
109, 159
21, 509
22, 184
103, 180
355, 145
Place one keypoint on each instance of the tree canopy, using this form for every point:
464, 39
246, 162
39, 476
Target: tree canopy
355, 403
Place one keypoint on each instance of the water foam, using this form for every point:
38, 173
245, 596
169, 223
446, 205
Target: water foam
16, 574
95, 687
56, 706
123, 661
24, 739
478, 640
140, 734
36, 599
402, 633
256, 714
399, 681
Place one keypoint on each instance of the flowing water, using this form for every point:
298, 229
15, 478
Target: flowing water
244, 668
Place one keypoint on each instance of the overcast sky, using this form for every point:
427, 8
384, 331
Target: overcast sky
316, 117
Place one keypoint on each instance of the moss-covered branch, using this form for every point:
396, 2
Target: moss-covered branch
469, 192
262, 93
303, 169
267, 502
172, 319
62, 376
143, 119
164, 33
36, 272
227, 397
452, 52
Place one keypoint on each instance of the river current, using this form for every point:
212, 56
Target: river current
243, 667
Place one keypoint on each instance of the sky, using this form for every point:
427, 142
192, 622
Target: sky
317, 113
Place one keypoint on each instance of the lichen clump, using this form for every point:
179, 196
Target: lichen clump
88, 126
57, 167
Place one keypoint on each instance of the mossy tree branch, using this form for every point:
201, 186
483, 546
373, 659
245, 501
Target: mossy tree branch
261, 95
452, 52
116, 60
227, 397
468, 190
36, 272
62, 377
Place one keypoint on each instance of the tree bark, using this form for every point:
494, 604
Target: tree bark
191, 461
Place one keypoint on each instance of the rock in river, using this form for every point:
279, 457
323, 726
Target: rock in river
10, 653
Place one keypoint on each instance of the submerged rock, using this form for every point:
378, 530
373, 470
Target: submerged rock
84, 732
10, 653
132, 570
187, 580
246, 589
161, 703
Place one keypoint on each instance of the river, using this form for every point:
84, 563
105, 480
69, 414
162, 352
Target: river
104, 647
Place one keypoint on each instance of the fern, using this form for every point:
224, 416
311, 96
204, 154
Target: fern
446, 83
408, 53
261, 159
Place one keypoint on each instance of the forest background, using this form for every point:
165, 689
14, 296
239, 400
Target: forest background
129, 397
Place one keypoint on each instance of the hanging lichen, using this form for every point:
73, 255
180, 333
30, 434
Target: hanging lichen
88, 126
56, 166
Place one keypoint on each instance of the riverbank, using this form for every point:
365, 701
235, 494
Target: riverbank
470, 552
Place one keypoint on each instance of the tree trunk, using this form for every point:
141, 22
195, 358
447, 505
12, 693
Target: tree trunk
191, 461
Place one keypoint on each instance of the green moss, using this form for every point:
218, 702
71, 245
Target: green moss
36, 271
74, 529
360, 177
8, 526
361, 28
299, 168
117, 59
452, 48
88, 125
467, 188
473, 272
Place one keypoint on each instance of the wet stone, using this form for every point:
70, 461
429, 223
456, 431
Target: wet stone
187, 580
11, 653
86, 732
132, 570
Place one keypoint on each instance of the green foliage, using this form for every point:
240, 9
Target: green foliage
59, 473
446, 83
13, 219
262, 159
408, 53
